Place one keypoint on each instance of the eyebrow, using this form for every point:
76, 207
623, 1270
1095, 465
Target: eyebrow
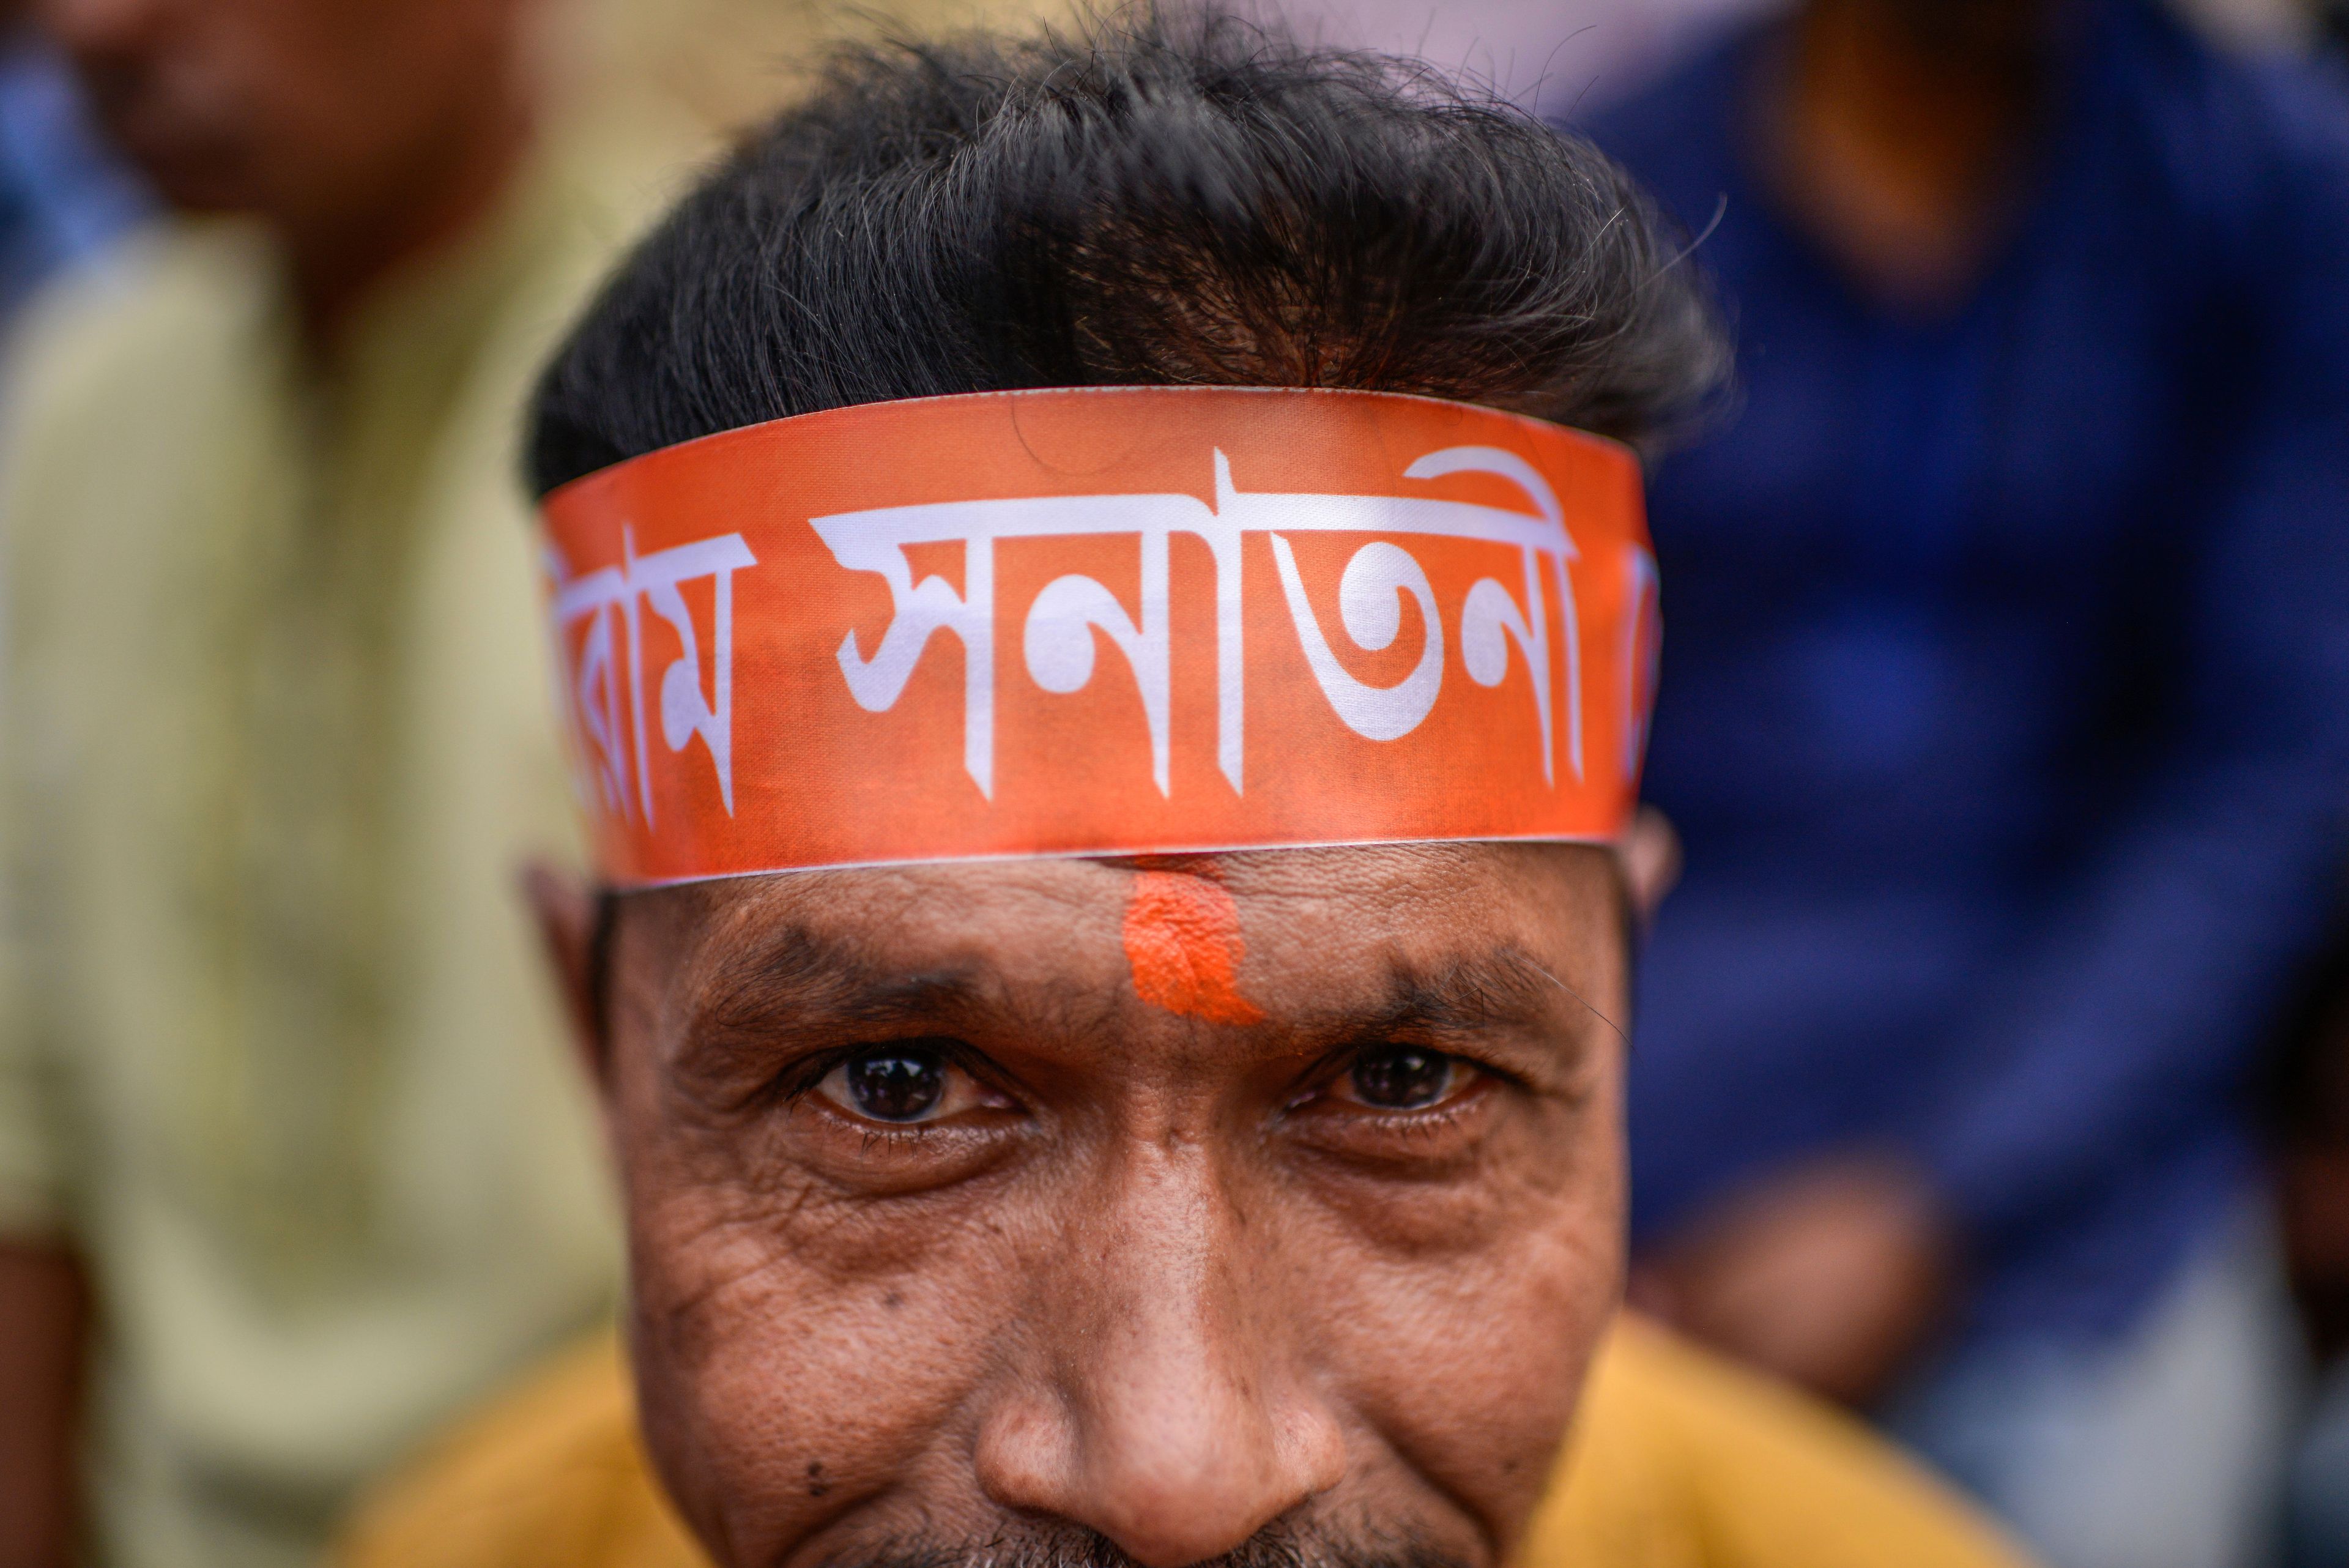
1466, 992
845, 979
842, 982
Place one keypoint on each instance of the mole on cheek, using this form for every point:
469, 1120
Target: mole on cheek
1183, 942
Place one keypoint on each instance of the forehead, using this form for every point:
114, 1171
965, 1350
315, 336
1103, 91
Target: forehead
1301, 914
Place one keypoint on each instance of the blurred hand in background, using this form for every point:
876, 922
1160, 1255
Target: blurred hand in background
1834, 1275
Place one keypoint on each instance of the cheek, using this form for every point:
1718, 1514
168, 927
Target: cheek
1469, 1359
783, 1392
805, 1360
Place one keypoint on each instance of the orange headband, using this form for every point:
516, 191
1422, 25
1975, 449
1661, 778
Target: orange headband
1118, 620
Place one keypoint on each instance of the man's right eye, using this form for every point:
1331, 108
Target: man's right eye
1402, 1078
903, 1084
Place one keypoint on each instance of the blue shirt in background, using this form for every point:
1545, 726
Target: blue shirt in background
64, 197
2005, 693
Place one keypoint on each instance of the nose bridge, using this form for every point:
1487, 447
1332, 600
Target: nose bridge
1179, 1422
1171, 1320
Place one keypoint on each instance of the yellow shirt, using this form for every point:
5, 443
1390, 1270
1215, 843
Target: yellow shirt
276, 1050
1677, 1461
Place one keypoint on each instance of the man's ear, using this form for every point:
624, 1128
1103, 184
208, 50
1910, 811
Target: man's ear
1651, 849
569, 918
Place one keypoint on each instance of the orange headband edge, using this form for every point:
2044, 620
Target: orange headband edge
1100, 621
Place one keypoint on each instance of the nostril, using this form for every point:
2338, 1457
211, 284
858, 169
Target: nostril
1180, 1527
1169, 1484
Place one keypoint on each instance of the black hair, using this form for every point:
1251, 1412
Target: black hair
1157, 196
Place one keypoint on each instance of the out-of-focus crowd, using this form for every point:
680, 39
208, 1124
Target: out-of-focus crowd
1992, 1071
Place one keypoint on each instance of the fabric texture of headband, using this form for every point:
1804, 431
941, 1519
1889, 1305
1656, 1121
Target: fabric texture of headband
1101, 621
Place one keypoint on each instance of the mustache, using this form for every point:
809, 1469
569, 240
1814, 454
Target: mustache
1049, 1544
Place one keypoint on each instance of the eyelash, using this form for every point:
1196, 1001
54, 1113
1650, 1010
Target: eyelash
797, 1080
1323, 1080
893, 1137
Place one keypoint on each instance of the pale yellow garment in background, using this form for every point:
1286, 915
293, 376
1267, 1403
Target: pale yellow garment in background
277, 1052
1677, 1461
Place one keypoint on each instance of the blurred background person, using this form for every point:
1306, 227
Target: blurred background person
285, 1135
65, 196
2007, 731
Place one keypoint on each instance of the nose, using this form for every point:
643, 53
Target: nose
1166, 1405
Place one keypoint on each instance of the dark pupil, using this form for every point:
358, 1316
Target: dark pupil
1402, 1078
897, 1086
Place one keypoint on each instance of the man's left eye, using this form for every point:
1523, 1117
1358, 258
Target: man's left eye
903, 1084
1402, 1079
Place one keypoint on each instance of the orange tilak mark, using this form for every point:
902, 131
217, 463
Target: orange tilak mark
1183, 941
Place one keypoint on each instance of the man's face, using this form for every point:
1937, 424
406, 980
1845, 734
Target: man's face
294, 109
949, 1247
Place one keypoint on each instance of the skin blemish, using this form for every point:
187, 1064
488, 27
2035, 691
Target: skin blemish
816, 1485
1183, 942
